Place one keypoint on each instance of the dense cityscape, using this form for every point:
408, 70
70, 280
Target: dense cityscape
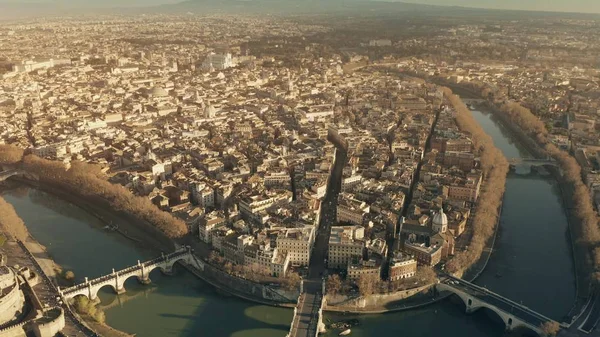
319, 163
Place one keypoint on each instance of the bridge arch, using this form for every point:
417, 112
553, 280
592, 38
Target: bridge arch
141, 271
497, 317
473, 304
166, 267
110, 285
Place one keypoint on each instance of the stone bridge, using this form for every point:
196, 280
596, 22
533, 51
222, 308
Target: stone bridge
308, 314
141, 271
514, 315
471, 101
9, 173
532, 162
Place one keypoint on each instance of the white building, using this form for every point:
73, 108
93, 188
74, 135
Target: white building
277, 179
297, 243
350, 182
266, 257
50, 151
207, 225
351, 210
250, 207
439, 223
204, 195
345, 242
218, 62
380, 43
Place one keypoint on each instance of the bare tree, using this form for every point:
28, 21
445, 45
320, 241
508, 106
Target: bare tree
292, 281
367, 284
10, 155
550, 328
333, 284
87, 180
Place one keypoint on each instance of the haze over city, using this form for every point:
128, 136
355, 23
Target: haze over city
581, 6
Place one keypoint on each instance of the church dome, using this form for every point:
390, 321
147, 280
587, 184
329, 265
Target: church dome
440, 218
158, 92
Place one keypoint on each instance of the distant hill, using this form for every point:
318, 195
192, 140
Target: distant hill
347, 7
302, 6
14, 9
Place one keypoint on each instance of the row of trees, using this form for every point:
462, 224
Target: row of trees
10, 222
586, 229
253, 272
88, 181
495, 168
369, 284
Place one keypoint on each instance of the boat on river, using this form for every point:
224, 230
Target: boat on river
345, 332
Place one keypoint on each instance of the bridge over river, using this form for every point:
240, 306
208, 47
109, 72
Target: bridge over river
532, 162
514, 315
308, 314
141, 271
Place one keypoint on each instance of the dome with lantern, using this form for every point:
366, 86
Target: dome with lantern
440, 221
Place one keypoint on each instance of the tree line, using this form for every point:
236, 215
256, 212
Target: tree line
495, 169
369, 284
253, 272
10, 154
586, 228
87, 180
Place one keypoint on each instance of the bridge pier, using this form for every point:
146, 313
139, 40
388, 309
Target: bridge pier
168, 270
119, 286
145, 279
168, 267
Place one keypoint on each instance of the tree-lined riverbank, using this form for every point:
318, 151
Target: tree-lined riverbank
495, 169
533, 131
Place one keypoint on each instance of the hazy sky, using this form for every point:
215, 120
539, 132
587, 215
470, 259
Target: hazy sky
583, 6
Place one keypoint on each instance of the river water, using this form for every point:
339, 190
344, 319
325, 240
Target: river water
531, 264
178, 305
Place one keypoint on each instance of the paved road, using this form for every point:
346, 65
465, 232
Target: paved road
307, 318
328, 218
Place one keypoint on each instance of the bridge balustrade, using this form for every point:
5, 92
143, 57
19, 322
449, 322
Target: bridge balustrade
127, 271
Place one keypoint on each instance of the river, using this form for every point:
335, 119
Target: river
179, 305
531, 262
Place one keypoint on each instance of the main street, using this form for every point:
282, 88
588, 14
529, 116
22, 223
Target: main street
307, 316
328, 217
